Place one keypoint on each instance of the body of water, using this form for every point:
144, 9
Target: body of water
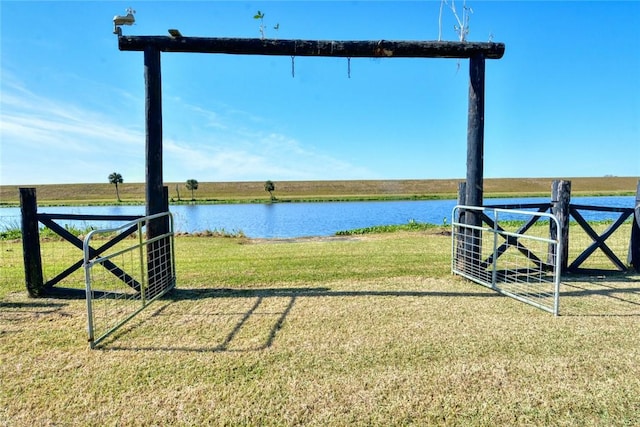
285, 220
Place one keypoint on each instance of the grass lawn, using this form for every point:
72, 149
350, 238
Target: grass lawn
351, 330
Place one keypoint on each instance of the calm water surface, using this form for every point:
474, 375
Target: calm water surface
305, 219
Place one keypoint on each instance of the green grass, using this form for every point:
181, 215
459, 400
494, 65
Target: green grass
412, 225
15, 232
350, 330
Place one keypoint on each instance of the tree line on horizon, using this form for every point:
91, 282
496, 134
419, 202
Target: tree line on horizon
191, 184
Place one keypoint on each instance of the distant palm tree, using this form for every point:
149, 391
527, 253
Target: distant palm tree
270, 187
192, 185
115, 178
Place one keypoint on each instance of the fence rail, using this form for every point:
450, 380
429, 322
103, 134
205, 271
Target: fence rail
600, 239
615, 239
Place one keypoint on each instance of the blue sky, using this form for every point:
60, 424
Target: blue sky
564, 101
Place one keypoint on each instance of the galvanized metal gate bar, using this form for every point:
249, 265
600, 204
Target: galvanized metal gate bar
110, 302
510, 267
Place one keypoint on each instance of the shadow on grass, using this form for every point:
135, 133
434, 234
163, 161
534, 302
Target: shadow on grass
196, 294
619, 294
81, 294
14, 314
615, 295
29, 305
260, 295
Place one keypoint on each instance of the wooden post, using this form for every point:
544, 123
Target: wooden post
460, 231
475, 155
634, 243
462, 193
153, 113
154, 177
462, 200
159, 267
560, 200
31, 243
475, 132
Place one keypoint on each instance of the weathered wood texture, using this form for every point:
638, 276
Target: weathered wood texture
155, 191
475, 134
153, 113
331, 48
560, 207
475, 156
462, 193
31, 243
159, 267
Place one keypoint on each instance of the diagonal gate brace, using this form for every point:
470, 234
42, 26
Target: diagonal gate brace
110, 266
513, 241
598, 241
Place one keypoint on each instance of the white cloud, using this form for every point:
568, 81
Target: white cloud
54, 141
45, 140
27, 118
231, 145
272, 156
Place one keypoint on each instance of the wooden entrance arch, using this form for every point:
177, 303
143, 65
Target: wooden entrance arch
153, 45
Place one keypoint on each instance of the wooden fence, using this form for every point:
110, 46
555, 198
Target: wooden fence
30, 224
564, 210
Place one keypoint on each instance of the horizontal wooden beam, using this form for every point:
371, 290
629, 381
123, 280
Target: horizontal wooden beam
329, 48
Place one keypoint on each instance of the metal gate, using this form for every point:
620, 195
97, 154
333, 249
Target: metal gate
123, 280
509, 251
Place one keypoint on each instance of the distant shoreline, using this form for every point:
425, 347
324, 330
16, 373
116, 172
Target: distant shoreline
313, 191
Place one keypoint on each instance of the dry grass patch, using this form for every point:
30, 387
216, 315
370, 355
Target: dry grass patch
104, 193
372, 331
